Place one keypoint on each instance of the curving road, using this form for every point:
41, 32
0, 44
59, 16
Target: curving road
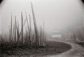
75, 51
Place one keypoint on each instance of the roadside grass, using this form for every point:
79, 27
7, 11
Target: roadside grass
52, 48
81, 43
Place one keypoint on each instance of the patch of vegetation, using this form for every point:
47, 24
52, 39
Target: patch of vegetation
52, 48
81, 43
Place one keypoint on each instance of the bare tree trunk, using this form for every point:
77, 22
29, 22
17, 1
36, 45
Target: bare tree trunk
11, 30
22, 27
18, 34
35, 26
30, 29
15, 29
29, 41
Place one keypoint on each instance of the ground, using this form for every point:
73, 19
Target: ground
75, 51
61, 49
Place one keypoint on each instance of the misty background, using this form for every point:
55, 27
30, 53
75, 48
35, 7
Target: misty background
56, 15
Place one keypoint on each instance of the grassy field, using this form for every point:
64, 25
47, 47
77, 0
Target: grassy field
52, 48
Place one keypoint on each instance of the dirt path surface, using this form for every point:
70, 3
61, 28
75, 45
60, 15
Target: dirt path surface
75, 51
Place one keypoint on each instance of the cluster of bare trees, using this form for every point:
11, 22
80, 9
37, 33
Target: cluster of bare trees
31, 38
78, 35
75, 36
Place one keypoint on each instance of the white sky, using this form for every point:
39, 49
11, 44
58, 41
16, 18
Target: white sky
57, 14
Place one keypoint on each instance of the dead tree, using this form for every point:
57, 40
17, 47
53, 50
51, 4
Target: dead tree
22, 27
10, 31
35, 26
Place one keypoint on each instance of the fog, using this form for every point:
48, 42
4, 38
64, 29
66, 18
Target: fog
58, 15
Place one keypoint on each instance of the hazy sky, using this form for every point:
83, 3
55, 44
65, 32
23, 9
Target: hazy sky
57, 14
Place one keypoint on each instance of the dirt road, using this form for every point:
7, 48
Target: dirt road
75, 51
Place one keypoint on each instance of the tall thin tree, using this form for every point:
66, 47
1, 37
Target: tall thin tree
22, 27
15, 29
18, 34
35, 26
11, 30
